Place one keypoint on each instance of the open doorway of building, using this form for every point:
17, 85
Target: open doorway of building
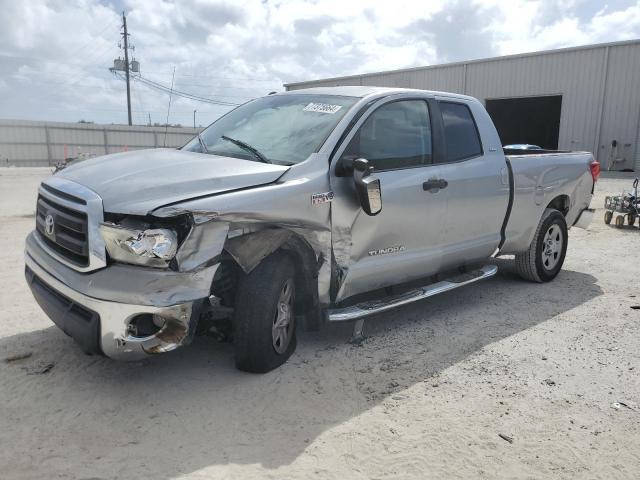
533, 120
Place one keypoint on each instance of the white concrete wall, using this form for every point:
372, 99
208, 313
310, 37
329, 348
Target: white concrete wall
27, 143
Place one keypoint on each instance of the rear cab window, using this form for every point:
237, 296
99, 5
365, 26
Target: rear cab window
462, 140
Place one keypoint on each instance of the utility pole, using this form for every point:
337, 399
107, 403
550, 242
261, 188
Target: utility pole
194, 118
126, 63
126, 66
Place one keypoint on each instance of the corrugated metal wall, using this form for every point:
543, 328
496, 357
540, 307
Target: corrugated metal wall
448, 79
26, 143
638, 145
576, 75
600, 88
621, 104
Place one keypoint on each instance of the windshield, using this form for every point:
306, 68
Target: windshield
282, 129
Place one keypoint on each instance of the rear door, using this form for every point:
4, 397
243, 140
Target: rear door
477, 190
403, 241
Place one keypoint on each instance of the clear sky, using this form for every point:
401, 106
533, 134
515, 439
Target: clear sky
55, 54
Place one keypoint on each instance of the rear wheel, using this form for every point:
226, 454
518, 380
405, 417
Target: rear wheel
608, 215
631, 219
545, 256
619, 221
264, 318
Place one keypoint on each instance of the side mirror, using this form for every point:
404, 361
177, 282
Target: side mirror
367, 187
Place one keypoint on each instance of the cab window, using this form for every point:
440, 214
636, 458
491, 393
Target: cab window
396, 135
461, 135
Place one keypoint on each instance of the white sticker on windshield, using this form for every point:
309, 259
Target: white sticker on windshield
322, 108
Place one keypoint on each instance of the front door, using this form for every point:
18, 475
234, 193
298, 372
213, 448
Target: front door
403, 242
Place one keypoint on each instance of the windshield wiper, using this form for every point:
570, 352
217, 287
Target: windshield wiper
202, 144
248, 148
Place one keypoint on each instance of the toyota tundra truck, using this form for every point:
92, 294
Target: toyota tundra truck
292, 210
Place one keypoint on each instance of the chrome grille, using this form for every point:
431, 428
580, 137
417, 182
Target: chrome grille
68, 216
68, 234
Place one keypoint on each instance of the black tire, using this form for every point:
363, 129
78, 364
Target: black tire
257, 299
619, 221
535, 264
608, 215
631, 219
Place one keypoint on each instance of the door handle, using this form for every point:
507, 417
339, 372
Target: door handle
435, 184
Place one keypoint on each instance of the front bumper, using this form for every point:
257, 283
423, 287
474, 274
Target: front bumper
96, 308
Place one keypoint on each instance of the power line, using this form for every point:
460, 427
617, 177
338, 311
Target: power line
131, 71
192, 96
172, 91
218, 86
217, 77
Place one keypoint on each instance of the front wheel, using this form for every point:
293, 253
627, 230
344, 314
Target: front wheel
264, 317
545, 256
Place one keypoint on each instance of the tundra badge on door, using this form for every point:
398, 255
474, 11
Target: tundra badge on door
384, 251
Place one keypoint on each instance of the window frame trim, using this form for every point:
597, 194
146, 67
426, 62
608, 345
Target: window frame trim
444, 138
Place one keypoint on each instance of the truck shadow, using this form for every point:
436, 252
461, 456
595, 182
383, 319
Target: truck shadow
182, 412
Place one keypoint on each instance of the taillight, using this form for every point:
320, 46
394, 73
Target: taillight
595, 170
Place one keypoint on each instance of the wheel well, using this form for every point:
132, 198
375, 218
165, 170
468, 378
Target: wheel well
560, 203
306, 271
306, 266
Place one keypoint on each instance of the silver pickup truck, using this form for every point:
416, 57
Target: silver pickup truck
294, 209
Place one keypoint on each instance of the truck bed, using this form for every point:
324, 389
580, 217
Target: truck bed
540, 179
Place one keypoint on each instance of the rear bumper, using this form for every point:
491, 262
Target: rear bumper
102, 326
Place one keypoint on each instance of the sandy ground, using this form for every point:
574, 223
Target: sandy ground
426, 395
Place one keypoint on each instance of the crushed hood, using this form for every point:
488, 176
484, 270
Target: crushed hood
140, 181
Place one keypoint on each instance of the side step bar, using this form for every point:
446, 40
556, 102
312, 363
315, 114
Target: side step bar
365, 309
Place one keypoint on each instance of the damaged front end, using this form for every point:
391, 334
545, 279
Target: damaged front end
209, 252
170, 272
161, 332
181, 254
123, 324
149, 297
238, 230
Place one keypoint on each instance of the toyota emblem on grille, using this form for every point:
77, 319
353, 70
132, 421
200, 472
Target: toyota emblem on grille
49, 224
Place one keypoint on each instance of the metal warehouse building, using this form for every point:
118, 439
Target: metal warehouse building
583, 98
